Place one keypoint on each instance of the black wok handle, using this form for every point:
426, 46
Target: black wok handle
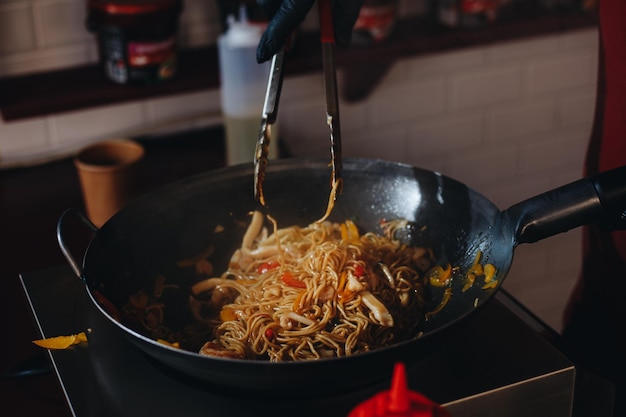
600, 199
61, 224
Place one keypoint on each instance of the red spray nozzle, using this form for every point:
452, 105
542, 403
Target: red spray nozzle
398, 401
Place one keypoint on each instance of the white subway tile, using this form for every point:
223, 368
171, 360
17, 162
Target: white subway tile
197, 35
199, 24
578, 110
452, 134
388, 143
446, 62
24, 143
510, 122
436, 164
504, 192
181, 112
537, 279
580, 39
495, 85
547, 297
353, 115
562, 246
302, 87
183, 105
47, 59
303, 127
482, 165
200, 11
571, 172
61, 22
551, 154
418, 99
17, 33
85, 126
562, 72
396, 74
530, 264
14, 136
521, 51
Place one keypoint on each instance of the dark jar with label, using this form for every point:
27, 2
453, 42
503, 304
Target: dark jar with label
137, 39
470, 13
375, 22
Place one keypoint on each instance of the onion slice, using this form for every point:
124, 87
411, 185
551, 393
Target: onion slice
378, 309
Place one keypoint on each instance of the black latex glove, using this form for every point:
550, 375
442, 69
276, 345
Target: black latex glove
286, 15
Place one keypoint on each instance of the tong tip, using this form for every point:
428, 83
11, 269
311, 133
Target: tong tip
260, 161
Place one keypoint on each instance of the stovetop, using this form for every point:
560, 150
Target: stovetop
499, 365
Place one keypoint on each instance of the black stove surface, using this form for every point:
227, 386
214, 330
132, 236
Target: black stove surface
500, 366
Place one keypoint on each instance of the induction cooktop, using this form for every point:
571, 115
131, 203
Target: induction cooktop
497, 365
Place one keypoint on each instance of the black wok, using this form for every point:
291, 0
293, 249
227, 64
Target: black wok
147, 239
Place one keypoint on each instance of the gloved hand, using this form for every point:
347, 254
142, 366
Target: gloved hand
286, 15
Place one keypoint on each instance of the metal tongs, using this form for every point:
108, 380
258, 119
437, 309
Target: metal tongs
332, 100
268, 118
270, 108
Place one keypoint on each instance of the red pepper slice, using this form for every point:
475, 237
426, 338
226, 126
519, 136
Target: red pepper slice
359, 271
267, 266
269, 333
289, 280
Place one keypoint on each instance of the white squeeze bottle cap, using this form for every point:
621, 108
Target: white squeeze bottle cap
243, 80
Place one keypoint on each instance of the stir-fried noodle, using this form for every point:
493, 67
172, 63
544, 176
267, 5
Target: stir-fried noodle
319, 291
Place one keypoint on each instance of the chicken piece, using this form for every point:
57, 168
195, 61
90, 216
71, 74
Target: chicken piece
378, 309
213, 349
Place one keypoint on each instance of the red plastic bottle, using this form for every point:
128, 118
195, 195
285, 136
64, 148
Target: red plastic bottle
398, 401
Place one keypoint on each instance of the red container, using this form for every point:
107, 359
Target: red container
375, 22
136, 38
398, 401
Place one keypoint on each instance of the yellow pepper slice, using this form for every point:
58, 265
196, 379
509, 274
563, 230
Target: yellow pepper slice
491, 284
61, 342
447, 294
350, 233
470, 278
228, 314
490, 272
171, 344
438, 277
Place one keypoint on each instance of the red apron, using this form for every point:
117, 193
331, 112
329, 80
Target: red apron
595, 317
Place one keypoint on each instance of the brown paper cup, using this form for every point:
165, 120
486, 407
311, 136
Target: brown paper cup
107, 172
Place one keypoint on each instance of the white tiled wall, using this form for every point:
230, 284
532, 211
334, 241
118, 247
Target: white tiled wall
509, 119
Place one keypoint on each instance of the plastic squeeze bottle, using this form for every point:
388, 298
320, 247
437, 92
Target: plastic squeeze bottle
243, 86
398, 401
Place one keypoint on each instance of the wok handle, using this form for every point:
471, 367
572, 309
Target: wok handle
599, 199
61, 224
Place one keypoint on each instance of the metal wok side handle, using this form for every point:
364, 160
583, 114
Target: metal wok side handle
599, 199
66, 252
